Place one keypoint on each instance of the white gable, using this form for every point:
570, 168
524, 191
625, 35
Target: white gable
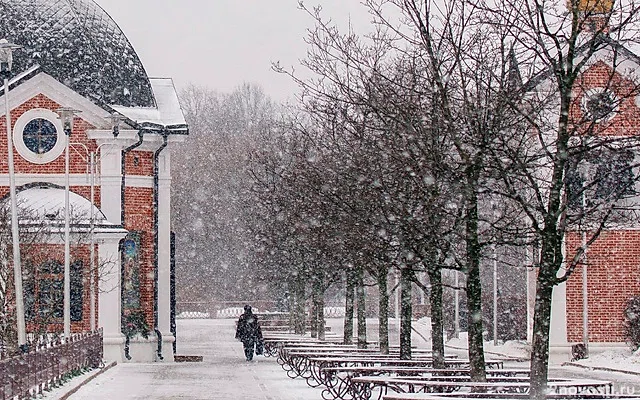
44, 84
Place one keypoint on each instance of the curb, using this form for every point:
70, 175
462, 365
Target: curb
621, 371
87, 380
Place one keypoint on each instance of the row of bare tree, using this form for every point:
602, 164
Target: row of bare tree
448, 128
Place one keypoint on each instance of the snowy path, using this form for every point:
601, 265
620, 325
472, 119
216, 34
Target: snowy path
224, 374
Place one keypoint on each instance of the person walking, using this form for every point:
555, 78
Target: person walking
249, 333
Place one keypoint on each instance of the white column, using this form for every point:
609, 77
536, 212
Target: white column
558, 329
109, 300
110, 180
164, 254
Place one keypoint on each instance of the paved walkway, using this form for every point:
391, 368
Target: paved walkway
224, 374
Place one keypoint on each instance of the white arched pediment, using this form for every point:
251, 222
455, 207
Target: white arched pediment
44, 206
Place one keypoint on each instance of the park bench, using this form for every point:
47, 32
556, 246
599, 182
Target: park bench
363, 387
310, 368
506, 396
280, 322
300, 349
301, 363
337, 380
273, 342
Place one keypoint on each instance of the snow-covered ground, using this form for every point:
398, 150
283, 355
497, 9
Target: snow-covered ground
511, 349
618, 359
225, 375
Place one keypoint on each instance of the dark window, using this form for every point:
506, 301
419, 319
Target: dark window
76, 291
600, 105
29, 291
51, 298
614, 176
40, 135
574, 182
51, 267
44, 292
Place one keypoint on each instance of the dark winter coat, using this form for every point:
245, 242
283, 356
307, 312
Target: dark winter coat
248, 328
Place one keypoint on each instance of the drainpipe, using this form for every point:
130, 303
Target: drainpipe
156, 190
123, 172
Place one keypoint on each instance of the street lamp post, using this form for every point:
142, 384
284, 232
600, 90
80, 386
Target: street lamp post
495, 296
456, 306
92, 290
66, 116
6, 62
585, 285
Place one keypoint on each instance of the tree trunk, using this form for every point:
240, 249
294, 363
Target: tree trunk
313, 314
362, 316
383, 309
299, 303
349, 307
540, 345
474, 321
320, 323
437, 319
405, 313
474, 286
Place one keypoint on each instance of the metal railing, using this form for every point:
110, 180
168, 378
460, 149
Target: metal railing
47, 365
233, 309
219, 309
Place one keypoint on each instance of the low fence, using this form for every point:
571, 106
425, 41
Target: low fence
45, 366
220, 309
228, 309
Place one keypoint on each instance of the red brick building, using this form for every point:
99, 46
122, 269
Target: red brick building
613, 260
75, 56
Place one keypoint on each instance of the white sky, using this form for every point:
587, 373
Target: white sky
222, 43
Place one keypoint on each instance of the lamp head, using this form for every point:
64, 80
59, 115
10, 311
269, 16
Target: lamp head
6, 57
116, 120
66, 115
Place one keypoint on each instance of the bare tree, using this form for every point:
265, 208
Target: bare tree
548, 176
212, 191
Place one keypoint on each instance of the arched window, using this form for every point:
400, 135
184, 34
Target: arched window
44, 292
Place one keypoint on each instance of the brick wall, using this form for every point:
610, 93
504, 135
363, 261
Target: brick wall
139, 163
40, 253
627, 119
139, 217
613, 268
138, 201
613, 261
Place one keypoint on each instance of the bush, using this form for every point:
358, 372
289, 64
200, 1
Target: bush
632, 322
134, 323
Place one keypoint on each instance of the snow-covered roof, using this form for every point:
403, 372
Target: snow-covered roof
79, 44
168, 113
46, 204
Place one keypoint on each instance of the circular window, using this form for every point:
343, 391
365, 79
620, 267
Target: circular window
38, 136
600, 104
